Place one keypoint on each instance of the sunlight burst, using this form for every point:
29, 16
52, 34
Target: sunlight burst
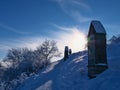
78, 41
74, 38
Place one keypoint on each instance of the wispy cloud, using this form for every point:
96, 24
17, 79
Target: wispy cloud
29, 42
65, 36
85, 6
4, 47
13, 29
72, 37
76, 9
62, 27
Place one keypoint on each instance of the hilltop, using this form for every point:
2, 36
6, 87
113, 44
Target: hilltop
72, 74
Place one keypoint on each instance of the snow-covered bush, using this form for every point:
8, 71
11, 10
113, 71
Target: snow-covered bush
25, 61
11, 85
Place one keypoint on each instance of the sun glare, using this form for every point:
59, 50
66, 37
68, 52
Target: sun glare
74, 39
78, 41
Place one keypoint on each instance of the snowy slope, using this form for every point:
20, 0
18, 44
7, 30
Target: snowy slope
72, 74
60, 75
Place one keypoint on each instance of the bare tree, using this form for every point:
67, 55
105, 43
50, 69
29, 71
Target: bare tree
25, 60
48, 50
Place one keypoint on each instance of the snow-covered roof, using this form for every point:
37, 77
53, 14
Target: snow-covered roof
98, 27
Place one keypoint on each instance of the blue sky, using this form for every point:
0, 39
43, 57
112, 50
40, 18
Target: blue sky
26, 23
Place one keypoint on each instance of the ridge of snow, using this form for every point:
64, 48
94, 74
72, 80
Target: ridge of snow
114, 40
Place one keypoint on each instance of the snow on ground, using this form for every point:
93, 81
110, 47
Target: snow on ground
5, 64
110, 79
72, 74
60, 75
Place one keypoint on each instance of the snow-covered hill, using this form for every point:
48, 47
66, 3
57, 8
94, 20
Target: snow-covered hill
60, 75
72, 73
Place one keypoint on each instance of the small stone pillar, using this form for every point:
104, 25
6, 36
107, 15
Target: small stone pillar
70, 51
66, 52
